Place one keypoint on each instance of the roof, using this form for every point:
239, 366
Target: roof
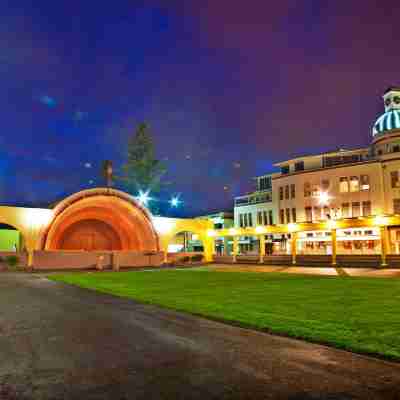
338, 151
388, 121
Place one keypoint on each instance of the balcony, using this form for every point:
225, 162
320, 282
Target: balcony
253, 199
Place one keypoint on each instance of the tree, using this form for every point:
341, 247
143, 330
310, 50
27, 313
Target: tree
107, 172
142, 171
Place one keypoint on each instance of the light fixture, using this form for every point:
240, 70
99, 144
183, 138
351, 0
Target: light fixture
232, 231
292, 227
323, 198
174, 202
260, 229
331, 224
211, 233
381, 220
143, 197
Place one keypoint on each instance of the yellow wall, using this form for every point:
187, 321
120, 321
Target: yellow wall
32, 222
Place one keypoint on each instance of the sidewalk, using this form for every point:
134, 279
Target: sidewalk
362, 272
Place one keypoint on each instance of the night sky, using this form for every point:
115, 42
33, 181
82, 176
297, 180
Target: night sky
228, 87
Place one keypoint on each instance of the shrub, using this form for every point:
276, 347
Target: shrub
12, 261
197, 258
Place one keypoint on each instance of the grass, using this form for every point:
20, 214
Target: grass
358, 314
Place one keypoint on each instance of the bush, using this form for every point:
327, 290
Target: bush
197, 258
12, 261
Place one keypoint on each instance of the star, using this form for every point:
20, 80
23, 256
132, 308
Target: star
48, 101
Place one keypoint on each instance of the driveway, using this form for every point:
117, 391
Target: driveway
62, 342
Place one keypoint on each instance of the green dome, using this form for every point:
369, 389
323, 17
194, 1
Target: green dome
387, 122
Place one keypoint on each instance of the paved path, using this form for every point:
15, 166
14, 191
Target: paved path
371, 272
61, 342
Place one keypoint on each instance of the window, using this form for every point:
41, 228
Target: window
355, 209
365, 183
287, 192
282, 216
307, 189
325, 213
343, 184
396, 206
280, 192
265, 183
396, 148
294, 217
288, 215
354, 184
271, 218
265, 220
345, 210
250, 220
245, 220
293, 191
299, 166
308, 211
259, 218
317, 213
315, 191
366, 208
394, 177
241, 223
325, 184
285, 169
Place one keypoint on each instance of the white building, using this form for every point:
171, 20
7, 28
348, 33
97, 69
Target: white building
332, 185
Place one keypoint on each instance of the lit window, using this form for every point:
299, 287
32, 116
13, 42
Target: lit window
315, 191
308, 211
345, 210
270, 217
396, 206
394, 176
354, 184
281, 216
355, 209
344, 184
307, 189
365, 183
366, 208
294, 217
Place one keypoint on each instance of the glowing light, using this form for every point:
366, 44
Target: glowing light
37, 218
331, 224
211, 233
163, 225
323, 198
195, 236
174, 202
88, 165
143, 198
292, 227
260, 229
381, 220
232, 231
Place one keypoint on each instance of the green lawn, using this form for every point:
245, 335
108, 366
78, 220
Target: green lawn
359, 314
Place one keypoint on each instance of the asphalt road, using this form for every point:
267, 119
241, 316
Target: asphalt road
61, 342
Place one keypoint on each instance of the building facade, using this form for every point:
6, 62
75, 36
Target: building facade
341, 184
